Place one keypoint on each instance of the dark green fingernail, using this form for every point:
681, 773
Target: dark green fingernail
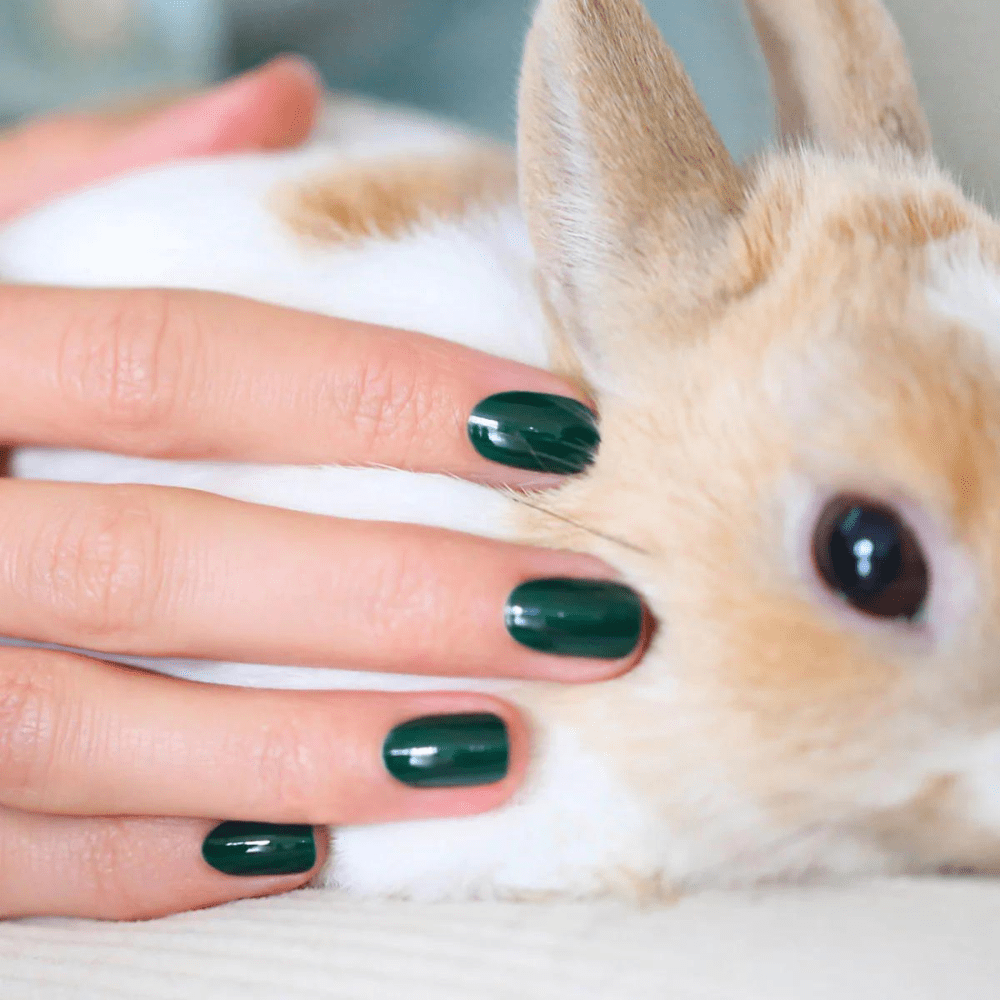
260, 849
585, 618
449, 751
535, 431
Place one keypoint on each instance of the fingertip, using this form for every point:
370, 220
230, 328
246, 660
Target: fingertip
451, 755
295, 70
128, 869
261, 850
274, 859
293, 865
273, 107
243, 861
592, 671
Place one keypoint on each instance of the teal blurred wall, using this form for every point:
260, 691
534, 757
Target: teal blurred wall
58, 53
459, 57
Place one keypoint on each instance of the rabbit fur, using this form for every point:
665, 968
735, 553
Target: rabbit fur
758, 338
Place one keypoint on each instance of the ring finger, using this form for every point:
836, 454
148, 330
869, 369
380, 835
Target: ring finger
146, 571
83, 738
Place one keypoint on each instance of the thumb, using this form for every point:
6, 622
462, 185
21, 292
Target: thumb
274, 107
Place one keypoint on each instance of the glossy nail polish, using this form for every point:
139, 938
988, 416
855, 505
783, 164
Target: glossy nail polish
260, 849
593, 619
449, 751
535, 431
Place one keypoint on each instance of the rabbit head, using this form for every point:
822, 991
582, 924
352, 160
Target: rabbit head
797, 366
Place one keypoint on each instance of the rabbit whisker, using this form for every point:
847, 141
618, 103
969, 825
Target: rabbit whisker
519, 498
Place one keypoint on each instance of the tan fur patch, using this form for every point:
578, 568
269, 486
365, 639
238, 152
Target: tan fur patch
633, 138
690, 467
840, 206
388, 200
907, 220
762, 236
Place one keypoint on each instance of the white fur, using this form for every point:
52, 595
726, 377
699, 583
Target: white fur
551, 839
980, 782
219, 236
963, 286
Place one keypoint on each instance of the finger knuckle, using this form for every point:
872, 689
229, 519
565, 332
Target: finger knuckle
28, 699
127, 364
107, 866
389, 402
98, 568
420, 609
284, 772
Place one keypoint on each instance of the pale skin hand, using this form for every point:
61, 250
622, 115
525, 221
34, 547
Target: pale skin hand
141, 570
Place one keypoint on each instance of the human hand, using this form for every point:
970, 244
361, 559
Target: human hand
274, 107
94, 756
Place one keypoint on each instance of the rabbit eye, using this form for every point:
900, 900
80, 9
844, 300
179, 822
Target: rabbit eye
867, 554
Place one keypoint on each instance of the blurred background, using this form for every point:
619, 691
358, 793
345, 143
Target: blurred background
460, 57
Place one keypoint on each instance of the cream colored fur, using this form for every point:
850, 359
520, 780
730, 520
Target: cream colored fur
759, 340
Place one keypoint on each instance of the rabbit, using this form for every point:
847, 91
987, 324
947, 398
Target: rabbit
797, 367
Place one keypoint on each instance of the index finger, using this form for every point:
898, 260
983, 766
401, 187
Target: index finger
196, 375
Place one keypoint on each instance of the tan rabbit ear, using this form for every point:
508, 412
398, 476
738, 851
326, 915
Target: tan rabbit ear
617, 157
840, 74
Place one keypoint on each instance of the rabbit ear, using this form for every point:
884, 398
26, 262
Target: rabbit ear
840, 74
617, 158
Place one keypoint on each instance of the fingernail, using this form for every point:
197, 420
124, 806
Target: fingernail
449, 751
260, 849
535, 431
585, 618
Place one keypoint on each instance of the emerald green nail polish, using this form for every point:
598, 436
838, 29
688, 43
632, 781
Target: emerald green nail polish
535, 431
585, 618
260, 849
449, 751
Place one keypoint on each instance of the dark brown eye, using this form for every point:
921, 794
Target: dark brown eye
867, 554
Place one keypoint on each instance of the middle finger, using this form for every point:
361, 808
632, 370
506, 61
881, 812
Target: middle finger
149, 571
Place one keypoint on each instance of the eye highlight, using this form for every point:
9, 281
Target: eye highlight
867, 554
